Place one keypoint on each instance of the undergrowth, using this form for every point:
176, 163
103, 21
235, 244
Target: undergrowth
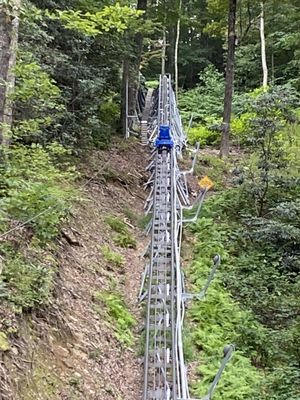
144, 221
131, 215
218, 320
112, 257
253, 301
123, 237
117, 314
36, 184
116, 225
27, 284
36, 193
125, 240
215, 168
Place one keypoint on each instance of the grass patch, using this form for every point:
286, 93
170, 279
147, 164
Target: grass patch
109, 174
116, 225
117, 315
126, 145
112, 257
95, 353
144, 221
131, 215
125, 240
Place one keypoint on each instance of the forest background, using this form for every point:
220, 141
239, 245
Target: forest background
65, 97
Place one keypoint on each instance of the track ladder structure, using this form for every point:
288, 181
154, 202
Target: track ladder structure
165, 376
164, 372
145, 118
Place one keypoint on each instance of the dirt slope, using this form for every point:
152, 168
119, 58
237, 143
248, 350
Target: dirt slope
71, 349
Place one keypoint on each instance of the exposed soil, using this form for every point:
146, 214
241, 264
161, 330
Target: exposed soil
70, 350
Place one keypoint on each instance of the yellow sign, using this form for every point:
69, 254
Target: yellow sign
206, 183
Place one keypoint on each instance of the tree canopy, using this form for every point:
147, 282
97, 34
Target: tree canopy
64, 69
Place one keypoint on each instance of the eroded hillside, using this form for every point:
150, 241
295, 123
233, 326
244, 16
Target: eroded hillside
87, 343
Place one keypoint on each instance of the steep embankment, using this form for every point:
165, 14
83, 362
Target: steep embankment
86, 344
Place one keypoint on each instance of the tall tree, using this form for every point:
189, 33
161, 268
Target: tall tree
263, 46
9, 28
142, 6
131, 70
224, 151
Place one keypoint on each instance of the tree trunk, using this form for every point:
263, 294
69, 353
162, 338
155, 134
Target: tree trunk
163, 52
263, 47
131, 70
142, 6
224, 151
176, 49
170, 49
9, 28
124, 99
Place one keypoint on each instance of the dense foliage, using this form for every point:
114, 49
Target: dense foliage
254, 226
73, 59
66, 100
70, 42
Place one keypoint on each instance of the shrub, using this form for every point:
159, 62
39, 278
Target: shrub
125, 240
266, 177
152, 84
203, 101
240, 125
116, 225
123, 237
27, 284
33, 185
110, 112
202, 134
38, 100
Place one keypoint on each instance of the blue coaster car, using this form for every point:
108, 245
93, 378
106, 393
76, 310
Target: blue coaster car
164, 138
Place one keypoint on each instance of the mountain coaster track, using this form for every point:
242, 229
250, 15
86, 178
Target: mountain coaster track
165, 376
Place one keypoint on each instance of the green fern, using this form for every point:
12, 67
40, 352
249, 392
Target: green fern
117, 315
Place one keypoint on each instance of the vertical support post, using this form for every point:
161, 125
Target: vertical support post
228, 351
190, 124
127, 99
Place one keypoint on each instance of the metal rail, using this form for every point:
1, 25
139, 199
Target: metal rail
159, 379
164, 372
165, 376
